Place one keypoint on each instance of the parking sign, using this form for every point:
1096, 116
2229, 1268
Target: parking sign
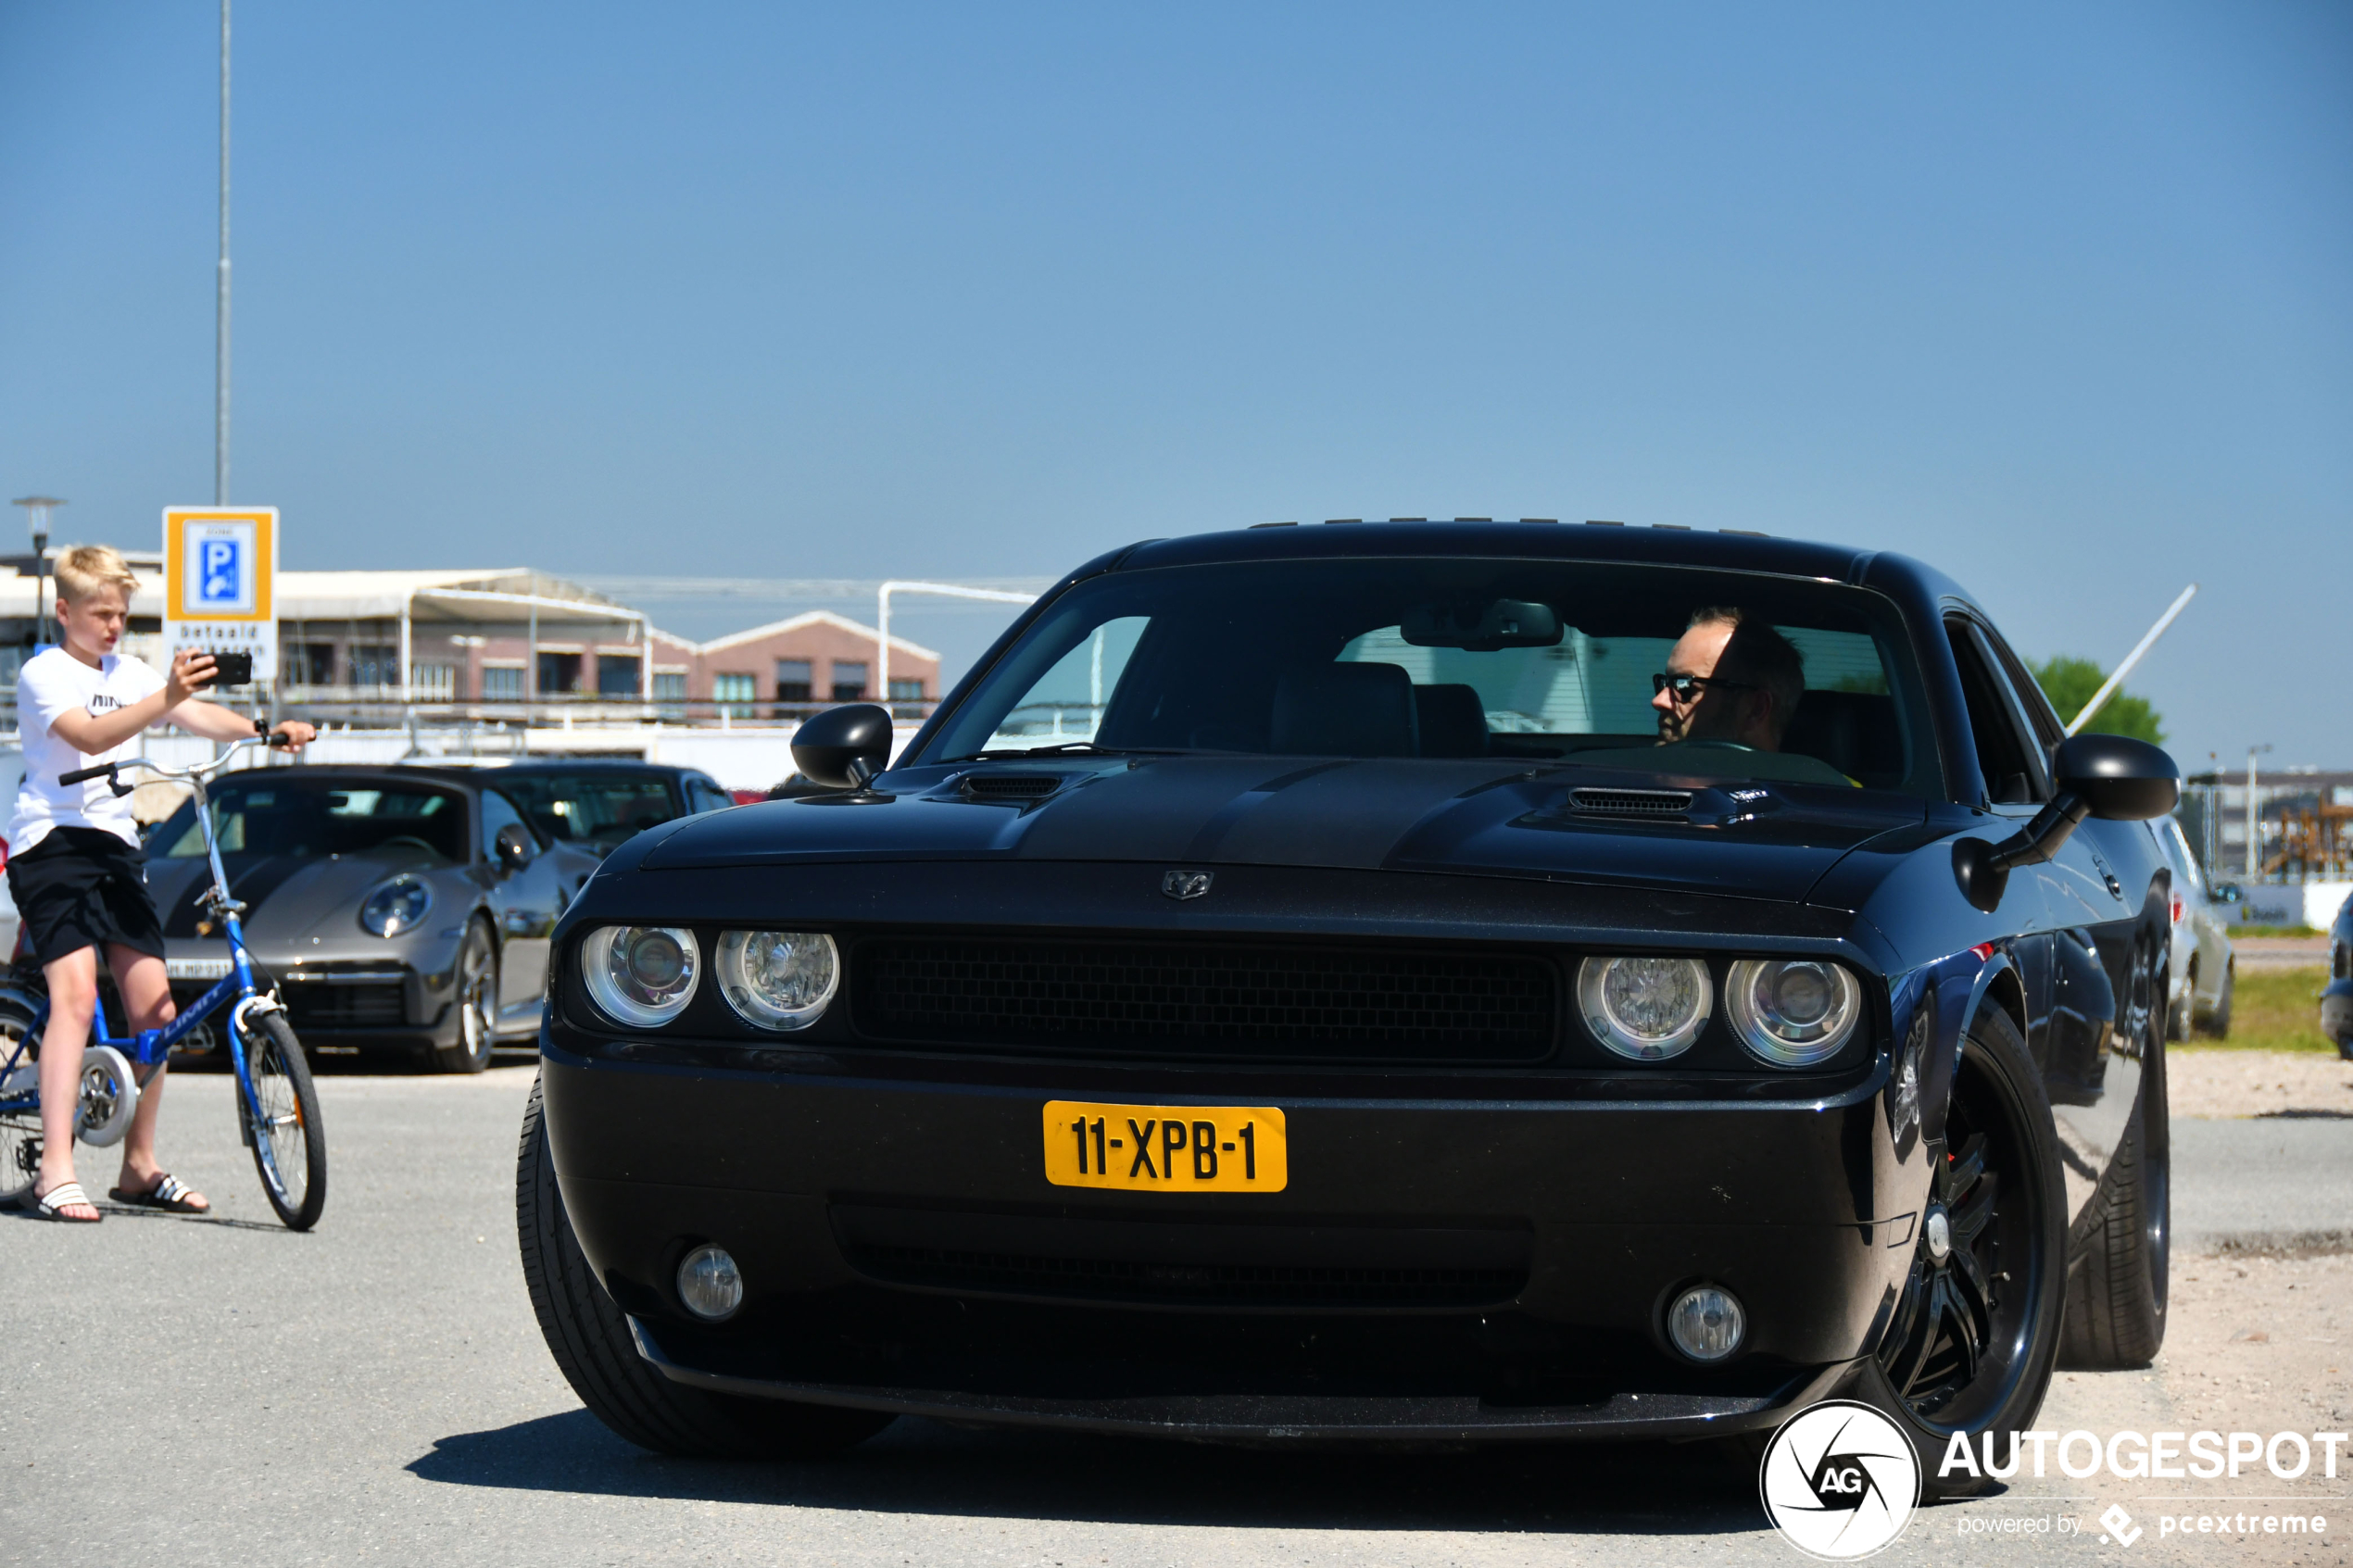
220, 564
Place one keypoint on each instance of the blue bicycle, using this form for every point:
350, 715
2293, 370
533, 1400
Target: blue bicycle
277, 1104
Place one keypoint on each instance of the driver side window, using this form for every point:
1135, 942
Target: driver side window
496, 812
2010, 773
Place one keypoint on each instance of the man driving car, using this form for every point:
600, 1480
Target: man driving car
1729, 679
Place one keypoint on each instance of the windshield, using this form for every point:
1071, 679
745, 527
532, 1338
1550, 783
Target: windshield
308, 817
1450, 659
597, 807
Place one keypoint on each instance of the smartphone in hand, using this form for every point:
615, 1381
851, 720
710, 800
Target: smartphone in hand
231, 670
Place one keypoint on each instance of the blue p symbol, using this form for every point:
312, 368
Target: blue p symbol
217, 570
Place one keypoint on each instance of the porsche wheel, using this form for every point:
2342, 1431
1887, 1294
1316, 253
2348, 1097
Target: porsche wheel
590, 1339
477, 1001
1975, 1333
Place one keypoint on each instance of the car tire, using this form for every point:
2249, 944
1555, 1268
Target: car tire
590, 1340
2119, 1249
475, 985
2218, 1022
1974, 1336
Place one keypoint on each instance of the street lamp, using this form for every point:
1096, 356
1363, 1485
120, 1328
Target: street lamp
37, 514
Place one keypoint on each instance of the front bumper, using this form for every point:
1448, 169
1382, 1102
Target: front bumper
400, 996
1437, 1269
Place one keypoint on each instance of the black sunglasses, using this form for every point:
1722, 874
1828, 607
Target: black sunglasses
1688, 688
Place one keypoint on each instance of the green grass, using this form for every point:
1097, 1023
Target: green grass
2276, 1010
2275, 931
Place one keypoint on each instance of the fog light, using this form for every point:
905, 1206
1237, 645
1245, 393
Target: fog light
1706, 1323
709, 1284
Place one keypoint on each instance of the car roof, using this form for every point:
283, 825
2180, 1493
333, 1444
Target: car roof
1729, 550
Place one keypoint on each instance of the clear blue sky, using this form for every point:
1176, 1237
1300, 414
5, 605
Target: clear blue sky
2057, 297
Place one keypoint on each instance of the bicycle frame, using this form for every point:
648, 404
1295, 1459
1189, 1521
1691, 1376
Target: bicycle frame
235, 990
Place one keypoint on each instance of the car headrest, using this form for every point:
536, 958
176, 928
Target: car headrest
1452, 721
1853, 731
1345, 711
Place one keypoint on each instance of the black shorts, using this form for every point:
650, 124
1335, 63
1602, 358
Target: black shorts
83, 887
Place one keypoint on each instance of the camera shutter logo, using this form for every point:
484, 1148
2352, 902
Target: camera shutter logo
1840, 1480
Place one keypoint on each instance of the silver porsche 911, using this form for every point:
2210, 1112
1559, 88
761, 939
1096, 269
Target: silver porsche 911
399, 909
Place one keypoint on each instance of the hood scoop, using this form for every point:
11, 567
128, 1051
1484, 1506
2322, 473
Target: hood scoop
1650, 804
1013, 789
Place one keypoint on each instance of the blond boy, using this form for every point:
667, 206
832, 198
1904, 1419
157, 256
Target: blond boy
76, 870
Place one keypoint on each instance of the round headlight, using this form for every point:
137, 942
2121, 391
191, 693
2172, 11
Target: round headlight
399, 905
641, 974
778, 979
1649, 1008
1793, 1012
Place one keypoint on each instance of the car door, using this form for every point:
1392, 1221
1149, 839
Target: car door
2006, 757
527, 900
2100, 1001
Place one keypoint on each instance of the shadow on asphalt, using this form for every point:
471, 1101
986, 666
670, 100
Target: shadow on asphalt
923, 1467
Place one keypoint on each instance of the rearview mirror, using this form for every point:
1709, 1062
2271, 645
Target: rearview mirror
2120, 778
844, 747
1504, 623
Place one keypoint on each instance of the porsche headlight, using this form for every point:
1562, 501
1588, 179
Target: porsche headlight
641, 974
1648, 1008
1793, 1012
399, 905
778, 979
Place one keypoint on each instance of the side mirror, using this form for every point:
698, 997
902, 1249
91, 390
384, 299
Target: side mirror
844, 747
2118, 778
2109, 776
514, 846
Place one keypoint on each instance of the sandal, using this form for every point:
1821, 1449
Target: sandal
169, 1193
54, 1203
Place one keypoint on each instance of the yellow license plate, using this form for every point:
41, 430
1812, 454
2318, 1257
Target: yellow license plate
1166, 1147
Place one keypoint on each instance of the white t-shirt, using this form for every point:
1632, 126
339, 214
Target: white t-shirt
55, 682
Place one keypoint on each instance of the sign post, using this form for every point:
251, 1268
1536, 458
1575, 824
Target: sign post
220, 575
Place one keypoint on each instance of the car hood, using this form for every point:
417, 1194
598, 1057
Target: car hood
286, 896
1768, 840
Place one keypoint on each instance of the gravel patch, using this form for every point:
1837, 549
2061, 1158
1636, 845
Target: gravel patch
2211, 1083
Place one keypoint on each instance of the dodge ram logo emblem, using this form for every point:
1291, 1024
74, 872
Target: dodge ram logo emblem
1185, 884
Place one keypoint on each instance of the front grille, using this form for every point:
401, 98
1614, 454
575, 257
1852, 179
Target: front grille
372, 1004
1012, 786
1113, 1279
1630, 802
1205, 998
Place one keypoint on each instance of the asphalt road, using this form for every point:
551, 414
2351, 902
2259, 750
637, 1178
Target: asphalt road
194, 1392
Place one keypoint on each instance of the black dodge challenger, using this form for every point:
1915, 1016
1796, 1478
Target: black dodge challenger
1394, 980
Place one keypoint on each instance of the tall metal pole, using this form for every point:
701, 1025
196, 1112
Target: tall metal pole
2254, 818
220, 309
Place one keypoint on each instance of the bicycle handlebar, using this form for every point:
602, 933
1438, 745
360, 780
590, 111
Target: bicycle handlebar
197, 769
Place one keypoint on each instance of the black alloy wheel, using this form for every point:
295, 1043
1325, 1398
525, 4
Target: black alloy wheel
1975, 1333
477, 1003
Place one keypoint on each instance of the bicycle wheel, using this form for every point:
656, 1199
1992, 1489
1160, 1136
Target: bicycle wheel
289, 1141
20, 1129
